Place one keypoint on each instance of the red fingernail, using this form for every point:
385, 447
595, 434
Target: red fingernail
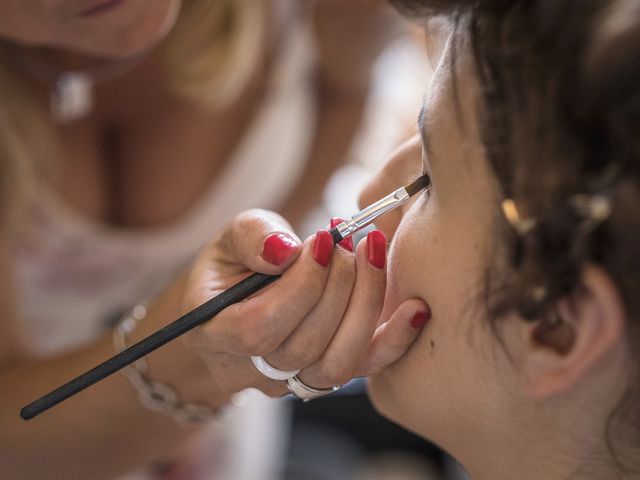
377, 248
278, 247
347, 243
420, 319
322, 247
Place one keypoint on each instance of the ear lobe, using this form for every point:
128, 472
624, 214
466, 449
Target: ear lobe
590, 326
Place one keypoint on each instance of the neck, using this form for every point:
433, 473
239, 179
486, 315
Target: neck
550, 443
65, 60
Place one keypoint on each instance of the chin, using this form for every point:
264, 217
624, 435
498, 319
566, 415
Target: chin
131, 35
383, 397
387, 403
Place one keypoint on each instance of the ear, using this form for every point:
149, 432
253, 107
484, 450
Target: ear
589, 325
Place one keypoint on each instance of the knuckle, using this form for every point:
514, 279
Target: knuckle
246, 222
298, 352
239, 223
272, 391
270, 313
256, 332
345, 274
345, 284
246, 218
332, 373
251, 336
314, 280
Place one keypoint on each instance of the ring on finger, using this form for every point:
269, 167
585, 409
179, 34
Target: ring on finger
305, 392
270, 371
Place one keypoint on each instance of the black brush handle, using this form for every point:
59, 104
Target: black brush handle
199, 315
188, 321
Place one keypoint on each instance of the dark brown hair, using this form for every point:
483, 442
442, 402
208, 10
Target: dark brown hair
560, 119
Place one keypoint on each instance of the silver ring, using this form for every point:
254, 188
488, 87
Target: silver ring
305, 392
270, 371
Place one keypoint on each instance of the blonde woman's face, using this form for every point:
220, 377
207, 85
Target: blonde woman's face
440, 253
104, 28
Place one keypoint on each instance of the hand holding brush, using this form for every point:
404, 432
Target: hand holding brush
287, 324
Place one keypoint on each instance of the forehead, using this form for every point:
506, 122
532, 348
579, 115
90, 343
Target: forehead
448, 118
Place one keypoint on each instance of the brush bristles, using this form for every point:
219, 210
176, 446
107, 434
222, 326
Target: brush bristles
419, 184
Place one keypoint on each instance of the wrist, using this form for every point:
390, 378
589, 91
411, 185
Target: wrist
172, 379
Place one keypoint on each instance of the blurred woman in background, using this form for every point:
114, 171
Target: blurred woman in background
131, 133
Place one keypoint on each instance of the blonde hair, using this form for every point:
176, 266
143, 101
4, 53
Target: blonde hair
212, 50
210, 55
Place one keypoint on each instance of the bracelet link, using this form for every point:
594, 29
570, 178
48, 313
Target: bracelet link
153, 394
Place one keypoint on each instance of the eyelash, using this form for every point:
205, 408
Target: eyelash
427, 190
425, 172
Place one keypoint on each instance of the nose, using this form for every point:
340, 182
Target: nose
403, 166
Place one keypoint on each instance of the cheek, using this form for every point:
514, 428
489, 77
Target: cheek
413, 257
439, 257
397, 392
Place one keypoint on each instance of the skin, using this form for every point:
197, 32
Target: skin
535, 408
125, 30
117, 191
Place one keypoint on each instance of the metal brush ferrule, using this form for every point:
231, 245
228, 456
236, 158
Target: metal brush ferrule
373, 211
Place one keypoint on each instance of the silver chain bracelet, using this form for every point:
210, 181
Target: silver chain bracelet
155, 395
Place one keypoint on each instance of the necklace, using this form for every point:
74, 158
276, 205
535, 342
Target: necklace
71, 94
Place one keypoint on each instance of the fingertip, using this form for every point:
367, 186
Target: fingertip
377, 249
420, 319
263, 241
322, 248
395, 336
416, 313
372, 251
280, 249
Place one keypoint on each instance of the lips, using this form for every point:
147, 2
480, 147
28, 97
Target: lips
101, 7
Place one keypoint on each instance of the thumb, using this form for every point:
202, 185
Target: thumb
262, 241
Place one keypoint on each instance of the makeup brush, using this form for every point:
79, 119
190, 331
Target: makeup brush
209, 309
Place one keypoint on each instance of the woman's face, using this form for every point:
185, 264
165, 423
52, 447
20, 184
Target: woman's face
440, 253
103, 28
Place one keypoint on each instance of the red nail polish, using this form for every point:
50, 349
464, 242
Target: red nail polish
278, 247
420, 319
347, 243
377, 248
322, 247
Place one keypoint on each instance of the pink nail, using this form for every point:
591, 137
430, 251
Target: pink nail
322, 247
278, 247
420, 319
377, 249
